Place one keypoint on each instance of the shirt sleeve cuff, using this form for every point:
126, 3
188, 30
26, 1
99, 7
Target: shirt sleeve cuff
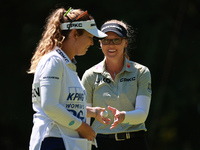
127, 117
75, 124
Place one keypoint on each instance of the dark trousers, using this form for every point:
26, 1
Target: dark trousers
52, 143
136, 143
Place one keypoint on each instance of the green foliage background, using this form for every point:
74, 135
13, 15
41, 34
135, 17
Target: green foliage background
167, 43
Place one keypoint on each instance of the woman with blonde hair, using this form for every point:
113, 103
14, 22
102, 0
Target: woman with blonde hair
58, 97
121, 86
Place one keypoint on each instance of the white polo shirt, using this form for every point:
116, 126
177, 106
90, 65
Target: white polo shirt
134, 80
58, 97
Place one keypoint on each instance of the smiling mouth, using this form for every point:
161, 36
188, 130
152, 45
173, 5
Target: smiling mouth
111, 50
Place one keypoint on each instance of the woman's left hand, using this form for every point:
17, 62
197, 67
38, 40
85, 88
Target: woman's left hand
118, 116
99, 117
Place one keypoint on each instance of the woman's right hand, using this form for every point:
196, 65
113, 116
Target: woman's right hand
85, 131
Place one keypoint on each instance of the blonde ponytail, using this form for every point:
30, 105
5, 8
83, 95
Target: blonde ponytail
51, 37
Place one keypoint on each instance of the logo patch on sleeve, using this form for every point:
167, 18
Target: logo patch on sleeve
149, 88
71, 123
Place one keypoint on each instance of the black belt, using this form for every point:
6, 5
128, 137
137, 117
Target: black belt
122, 136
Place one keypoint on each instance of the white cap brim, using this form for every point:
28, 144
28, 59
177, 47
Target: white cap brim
97, 33
88, 25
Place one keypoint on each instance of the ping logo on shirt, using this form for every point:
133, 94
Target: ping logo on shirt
103, 80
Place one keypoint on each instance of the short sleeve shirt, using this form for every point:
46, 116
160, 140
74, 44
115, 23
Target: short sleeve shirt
102, 91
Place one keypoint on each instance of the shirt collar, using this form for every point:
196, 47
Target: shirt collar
69, 63
127, 65
101, 67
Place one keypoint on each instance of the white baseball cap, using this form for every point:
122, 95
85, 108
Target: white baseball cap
88, 25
